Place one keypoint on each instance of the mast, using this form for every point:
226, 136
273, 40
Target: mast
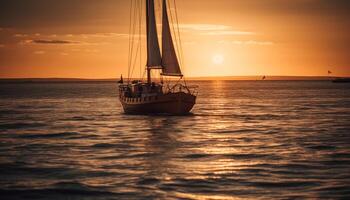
154, 60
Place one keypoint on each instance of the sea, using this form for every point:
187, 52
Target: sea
242, 140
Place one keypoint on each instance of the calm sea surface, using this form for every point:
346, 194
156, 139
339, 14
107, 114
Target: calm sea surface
244, 140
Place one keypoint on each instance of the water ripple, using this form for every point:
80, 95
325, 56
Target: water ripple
244, 140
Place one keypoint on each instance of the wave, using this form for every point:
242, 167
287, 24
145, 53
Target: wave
148, 181
248, 141
248, 156
57, 190
78, 118
21, 125
9, 112
282, 184
103, 145
195, 156
322, 147
49, 135
245, 130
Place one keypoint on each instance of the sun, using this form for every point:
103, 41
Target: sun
218, 59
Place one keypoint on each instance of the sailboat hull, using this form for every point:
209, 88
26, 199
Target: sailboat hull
178, 103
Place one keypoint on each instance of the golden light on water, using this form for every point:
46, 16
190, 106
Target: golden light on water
244, 139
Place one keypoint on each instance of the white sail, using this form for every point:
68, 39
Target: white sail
170, 62
154, 59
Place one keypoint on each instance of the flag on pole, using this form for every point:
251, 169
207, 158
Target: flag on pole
121, 79
329, 72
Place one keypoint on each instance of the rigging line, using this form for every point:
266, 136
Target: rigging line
140, 31
133, 64
133, 36
129, 52
179, 35
182, 60
144, 73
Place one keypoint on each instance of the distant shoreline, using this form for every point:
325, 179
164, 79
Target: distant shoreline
223, 78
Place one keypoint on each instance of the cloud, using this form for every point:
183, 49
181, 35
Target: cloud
248, 42
2, 45
53, 42
59, 42
252, 42
204, 27
228, 33
20, 35
39, 52
213, 29
69, 35
92, 50
5, 29
24, 35
106, 35
190, 43
48, 42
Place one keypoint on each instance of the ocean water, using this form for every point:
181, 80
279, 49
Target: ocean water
243, 140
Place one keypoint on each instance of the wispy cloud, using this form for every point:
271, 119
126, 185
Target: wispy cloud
224, 32
213, 29
20, 35
61, 42
92, 50
4, 29
48, 42
70, 39
106, 35
190, 43
23, 35
39, 52
2, 45
248, 42
53, 42
204, 27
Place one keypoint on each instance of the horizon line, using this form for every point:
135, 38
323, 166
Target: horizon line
249, 77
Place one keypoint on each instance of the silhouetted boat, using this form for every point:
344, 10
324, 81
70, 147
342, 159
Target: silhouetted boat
140, 97
341, 80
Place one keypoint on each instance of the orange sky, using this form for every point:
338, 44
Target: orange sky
89, 39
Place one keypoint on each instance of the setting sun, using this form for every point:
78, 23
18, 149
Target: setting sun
218, 59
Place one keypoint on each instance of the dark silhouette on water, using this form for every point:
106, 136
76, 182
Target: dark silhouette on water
149, 97
341, 80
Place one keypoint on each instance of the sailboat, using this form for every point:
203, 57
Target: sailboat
139, 97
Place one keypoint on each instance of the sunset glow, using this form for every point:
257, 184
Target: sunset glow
218, 59
219, 38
